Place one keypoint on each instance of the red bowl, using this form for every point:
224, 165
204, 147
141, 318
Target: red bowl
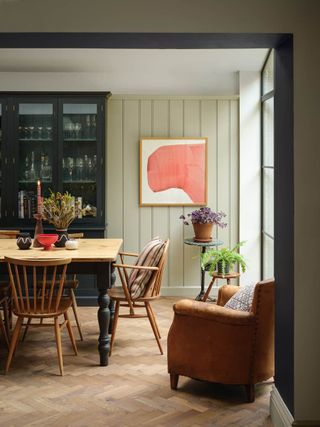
46, 240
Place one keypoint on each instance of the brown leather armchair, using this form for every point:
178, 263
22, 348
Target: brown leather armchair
213, 343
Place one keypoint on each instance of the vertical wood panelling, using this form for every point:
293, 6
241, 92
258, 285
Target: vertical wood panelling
161, 214
209, 129
114, 170
176, 263
224, 167
145, 212
131, 119
192, 127
234, 173
131, 233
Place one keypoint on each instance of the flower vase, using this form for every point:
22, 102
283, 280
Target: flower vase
202, 232
63, 237
38, 230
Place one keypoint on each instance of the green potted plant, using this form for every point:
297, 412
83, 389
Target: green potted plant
223, 260
203, 220
60, 210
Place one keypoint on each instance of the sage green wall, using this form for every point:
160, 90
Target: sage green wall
293, 16
131, 118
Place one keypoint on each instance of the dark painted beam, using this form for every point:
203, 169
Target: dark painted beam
141, 40
284, 222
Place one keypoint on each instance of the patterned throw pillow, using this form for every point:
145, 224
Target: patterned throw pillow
242, 300
149, 257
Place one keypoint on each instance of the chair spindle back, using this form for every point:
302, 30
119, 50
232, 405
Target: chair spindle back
34, 284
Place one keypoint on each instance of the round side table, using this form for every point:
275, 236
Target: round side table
204, 246
216, 275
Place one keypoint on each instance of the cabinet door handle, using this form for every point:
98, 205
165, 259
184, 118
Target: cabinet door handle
6, 213
5, 160
14, 160
13, 213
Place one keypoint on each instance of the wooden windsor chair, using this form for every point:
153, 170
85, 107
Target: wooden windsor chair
49, 303
123, 298
70, 287
5, 294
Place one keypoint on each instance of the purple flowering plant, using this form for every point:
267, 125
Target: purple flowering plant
204, 216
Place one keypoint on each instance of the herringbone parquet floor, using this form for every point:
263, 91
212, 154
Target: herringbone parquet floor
132, 391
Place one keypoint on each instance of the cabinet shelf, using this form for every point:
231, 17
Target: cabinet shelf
21, 181
79, 182
27, 140
80, 140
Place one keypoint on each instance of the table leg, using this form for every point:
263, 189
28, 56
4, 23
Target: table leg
112, 303
200, 296
104, 282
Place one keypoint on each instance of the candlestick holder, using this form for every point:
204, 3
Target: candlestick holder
38, 230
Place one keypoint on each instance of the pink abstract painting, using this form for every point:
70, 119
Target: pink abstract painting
175, 172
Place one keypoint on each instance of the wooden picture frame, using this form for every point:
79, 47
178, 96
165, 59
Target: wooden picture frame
173, 171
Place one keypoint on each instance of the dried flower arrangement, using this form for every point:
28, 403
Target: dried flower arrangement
60, 210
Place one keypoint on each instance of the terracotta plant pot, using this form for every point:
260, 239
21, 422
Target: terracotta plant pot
202, 232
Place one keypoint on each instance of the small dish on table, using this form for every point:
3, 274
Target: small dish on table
47, 240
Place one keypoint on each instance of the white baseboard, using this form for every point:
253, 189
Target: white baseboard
184, 291
280, 414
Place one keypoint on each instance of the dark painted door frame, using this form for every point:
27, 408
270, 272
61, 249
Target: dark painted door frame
283, 134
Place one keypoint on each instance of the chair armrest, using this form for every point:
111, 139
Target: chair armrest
213, 312
136, 267
225, 293
129, 254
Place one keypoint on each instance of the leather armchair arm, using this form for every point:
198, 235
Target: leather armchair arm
211, 342
213, 312
225, 293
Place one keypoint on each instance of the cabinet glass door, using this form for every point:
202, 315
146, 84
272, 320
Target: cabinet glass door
1, 156
80, 155
35, 156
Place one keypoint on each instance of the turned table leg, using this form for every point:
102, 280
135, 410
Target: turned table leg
112, 303
104, 282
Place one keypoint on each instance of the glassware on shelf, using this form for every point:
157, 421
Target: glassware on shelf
48, 133
79, 169
93, 126
40, 132
32, 172
31, 132
70, 166
87, 132
45, 168
77, 130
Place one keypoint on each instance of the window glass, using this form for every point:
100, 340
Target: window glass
267, 123
268, 257
268, 75
268, 201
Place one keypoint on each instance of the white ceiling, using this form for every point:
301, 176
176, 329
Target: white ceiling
137, 71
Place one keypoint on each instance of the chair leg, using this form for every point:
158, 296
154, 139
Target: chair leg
26, 329
69, 327
58, 342
250, 392
155, 320
153, 326
115, 322
174, 378
13, 343
75, 313
4, 332
6, 316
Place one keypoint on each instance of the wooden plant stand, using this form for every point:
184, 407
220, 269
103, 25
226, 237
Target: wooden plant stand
227, 277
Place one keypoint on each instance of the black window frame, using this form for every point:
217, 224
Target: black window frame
263, 98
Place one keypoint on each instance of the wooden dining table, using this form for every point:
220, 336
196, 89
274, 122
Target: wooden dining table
93, 256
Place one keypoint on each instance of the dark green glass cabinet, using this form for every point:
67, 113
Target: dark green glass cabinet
59, 139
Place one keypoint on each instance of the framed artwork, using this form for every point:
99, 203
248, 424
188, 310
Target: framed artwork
173, 171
